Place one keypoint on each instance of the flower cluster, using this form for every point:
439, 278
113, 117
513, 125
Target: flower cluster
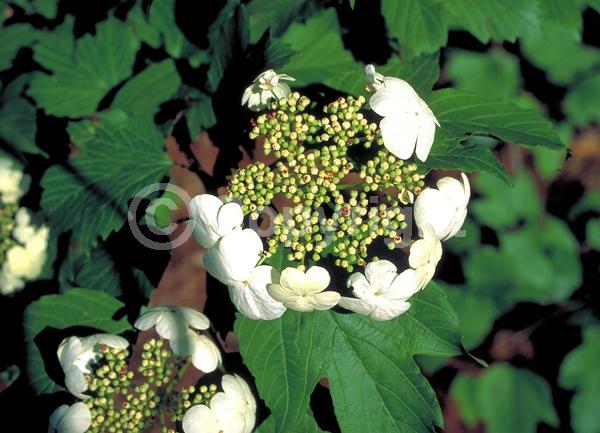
339, 185
23, 245
116, 398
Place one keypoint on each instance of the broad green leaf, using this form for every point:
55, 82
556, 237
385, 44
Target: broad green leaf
462, 114
46, 8
96, 271
142, 95
506, 399
449, 153
581, 104
417, 24
374, 382
592, 233
83, 71
501, 206
266, 15
18, 118
494, 73
321, 56
95, 186
77, 307
590, 202
500, 20
14, 38
563, 13
579, 372
559, 52
200, 116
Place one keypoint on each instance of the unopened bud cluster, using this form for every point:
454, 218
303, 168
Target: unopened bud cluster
330, 176
7, 224
188, 397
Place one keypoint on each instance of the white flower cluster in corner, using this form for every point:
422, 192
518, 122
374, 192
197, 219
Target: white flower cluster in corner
266, 87
25, 256
231, 411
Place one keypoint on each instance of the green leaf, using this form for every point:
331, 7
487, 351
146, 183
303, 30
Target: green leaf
581, 101
9, 376
494, 73
500, 20
77, 307
592, 233
563, 13
501, 207
560, 52
18, 118
360, 357
96, 186
142, 95
579, 372
321, 56
506, 399
96, 271
266, 15
462, 114
417, 24
83, 71
46, 8
590, 202
200, 116
14, 38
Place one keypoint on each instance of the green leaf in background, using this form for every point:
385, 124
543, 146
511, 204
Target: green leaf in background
590, 202
563, 13
200, 116
495, 73
579, 372
501, 206
14, 38
95, 271
142, 95
560, 53
592, 233
463, 114
77, 307
18, 118
417, 24
374, 382
9, 376
95, 186
500, 20
581, 102
266, 15
46, 8
506, 399
83, 71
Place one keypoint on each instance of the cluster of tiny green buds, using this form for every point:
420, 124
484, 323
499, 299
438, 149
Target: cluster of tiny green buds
254, 186
157, 362
387, 171
188, 397
7, 224
298, 229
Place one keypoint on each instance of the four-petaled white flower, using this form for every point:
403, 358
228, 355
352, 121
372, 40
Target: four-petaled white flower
304, 291
76, 356
425, 255
252, 298
407, 122
264, 88
13, 183
230, 411
179, 326
70, 419
213, 219
445, 208
382, 293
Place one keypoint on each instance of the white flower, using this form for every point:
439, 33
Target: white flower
407, 122
251, 297
13, 183
264, 88
230, 411
70, 419
213, 219
24, 261
444, 208
178, 325
382, 293
304, 291
76, 356
425, 255
233, 258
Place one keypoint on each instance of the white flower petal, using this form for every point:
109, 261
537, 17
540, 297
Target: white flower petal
71, 419
204, 209
360, 306
253, 299
360, 285
425, 138
206, 356
195, 319
380, 274
75, 381
399, 134
234, 256
325, 300
317, 279
200, 419
230, 217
